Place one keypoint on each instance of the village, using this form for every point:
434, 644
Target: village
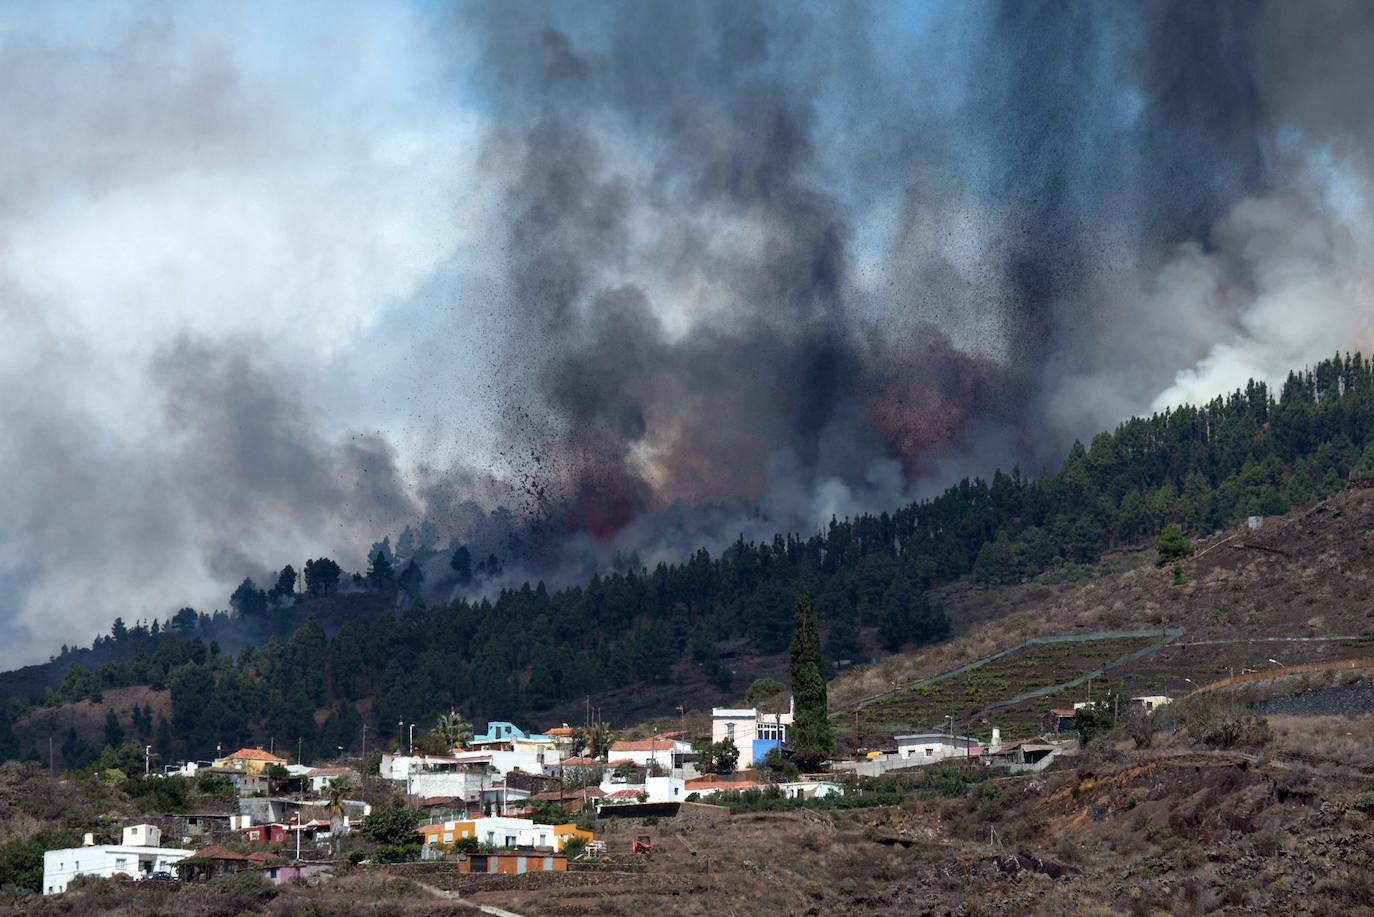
509, 801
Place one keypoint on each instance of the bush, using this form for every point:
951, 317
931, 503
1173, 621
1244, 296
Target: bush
21, 861
1172, 545
158, 794
214, 785
575, 846
467, 845
1093, 720
397, 853
391, 826
1217, 724
763, 689
356, 856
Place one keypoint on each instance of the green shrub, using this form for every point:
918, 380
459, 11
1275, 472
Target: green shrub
1172, 545
395, 827
21, 861
397, 853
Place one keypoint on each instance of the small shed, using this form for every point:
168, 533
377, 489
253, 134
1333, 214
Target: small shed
512, 862
211, 863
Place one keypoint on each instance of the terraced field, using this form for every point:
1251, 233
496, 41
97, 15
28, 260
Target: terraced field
977, 698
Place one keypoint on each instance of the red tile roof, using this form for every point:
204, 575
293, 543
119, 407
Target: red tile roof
254, 754
218, 853
624, 794
643, 745
582, 761
724, 786
559, 731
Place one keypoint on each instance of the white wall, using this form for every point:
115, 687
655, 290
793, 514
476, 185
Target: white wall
933, 749
61, 866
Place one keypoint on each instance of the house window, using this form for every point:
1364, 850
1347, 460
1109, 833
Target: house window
121, 864
730, 731
930, 752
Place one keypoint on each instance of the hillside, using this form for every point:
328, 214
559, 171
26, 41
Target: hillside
382, 648
1294, 591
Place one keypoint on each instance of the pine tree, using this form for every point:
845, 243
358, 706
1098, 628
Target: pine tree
114, 733
381, 575
812, 739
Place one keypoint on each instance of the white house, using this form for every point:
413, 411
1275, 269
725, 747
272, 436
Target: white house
810, 789
139, 856
655, 789
661, 751
930, 747
319, 778
754, 733
513, 832
1152, 702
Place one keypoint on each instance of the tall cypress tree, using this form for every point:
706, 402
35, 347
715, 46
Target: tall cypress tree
811, 737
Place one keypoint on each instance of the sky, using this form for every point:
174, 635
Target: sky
279, 279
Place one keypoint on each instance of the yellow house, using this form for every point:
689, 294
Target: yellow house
502, 832
563, 833
252, 760
446, 832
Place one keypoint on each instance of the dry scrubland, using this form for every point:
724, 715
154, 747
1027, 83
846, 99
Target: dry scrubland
1147, 822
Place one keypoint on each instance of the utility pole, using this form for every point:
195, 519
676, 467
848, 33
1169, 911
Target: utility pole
147, 759
364, 746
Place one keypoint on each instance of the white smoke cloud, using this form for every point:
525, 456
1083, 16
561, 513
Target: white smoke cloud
204, 208
1296, 279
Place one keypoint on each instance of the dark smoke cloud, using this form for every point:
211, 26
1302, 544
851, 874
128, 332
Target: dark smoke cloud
683, 230
650, 274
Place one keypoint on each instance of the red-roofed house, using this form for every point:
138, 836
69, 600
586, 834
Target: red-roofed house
665, 752
253, 760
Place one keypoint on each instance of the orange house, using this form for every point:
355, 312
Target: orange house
562, 833
446, 832
513, 864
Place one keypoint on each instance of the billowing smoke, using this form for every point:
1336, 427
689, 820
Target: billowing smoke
650, 274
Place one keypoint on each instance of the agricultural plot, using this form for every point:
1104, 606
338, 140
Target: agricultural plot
977, 698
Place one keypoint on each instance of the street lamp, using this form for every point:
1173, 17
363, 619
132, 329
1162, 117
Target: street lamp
1277, 663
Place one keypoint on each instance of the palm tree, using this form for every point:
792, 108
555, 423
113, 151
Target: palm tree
599, 737
336, 792
452, 729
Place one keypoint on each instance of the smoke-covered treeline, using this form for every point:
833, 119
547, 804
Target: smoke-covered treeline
532, 648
